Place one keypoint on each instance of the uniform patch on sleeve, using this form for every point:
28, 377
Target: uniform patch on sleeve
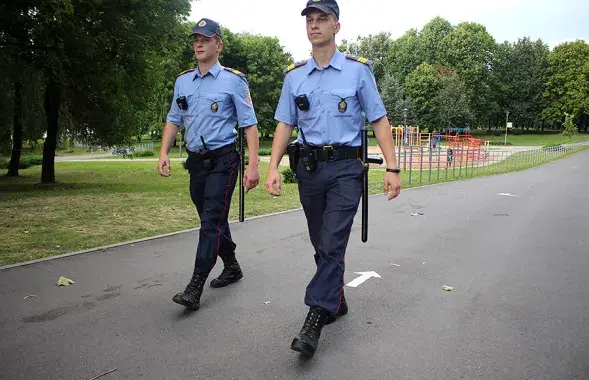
248, 99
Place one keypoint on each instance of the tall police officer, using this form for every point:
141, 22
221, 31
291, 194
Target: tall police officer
328, 97
210, 100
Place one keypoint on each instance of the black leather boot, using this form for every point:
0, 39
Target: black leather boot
308, 339
190, 298
343, 310
231, 271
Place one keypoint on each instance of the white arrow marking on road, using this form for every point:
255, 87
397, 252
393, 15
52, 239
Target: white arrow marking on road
363, 277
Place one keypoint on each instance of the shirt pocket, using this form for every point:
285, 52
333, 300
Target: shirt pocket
313, 110
341, 102
188, 113
215, 105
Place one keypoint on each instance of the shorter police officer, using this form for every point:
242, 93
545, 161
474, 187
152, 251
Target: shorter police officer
328, 97
210, 101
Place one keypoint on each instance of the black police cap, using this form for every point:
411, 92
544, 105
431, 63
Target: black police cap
327, 6
207, 28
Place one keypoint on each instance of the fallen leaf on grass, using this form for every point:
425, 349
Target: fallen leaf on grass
63, 281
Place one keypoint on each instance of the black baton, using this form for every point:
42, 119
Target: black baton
241, 169
366, 161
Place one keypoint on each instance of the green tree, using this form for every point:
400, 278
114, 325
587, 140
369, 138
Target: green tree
430, 40
374, 47
567, 86
397, 103
521, 70
469, 50
453, 102
440, 98
14, 26
266, 61
423, 85
570, 129
404, 55
94, 60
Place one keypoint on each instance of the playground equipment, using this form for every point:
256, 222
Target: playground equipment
406, 136
412, 136
426, 150
470, 147
451, 131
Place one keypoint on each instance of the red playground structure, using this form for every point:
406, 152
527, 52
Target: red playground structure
470, 147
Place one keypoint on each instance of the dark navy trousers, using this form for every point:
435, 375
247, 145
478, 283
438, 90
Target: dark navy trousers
330, 197
211, 190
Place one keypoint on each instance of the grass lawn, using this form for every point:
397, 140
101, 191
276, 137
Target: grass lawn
534, 140
101, 203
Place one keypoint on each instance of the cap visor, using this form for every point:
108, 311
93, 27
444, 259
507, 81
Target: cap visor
323, 8
202, 31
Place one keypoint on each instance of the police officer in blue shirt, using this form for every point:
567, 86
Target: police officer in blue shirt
328, 97
210, 101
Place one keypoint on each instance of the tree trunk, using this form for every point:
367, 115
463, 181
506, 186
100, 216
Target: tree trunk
52, 101
17, 130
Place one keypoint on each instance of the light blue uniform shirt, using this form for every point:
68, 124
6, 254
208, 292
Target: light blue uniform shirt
217, 102
329, 121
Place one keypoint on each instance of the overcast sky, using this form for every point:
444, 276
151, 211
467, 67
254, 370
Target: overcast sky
551, 20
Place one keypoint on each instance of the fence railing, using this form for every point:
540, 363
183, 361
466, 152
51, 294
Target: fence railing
424, 164
143, 147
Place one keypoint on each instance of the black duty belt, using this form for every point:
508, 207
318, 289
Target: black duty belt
335, 153
208, 154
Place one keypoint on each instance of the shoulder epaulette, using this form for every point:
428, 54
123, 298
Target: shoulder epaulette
186, 71
236, 72
363, 60
295, 65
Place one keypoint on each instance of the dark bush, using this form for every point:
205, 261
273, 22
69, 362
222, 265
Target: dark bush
289, 176
144, 153
25, 162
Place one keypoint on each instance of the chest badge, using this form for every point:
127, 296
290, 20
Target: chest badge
214, 107
342, 106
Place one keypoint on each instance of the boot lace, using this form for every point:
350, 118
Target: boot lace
312, 322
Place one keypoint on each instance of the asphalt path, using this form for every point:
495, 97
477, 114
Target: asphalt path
518, 263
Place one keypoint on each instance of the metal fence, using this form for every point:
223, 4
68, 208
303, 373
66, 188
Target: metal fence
423, 164
142, 147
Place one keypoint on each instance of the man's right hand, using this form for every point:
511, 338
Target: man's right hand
273, 182
163, 165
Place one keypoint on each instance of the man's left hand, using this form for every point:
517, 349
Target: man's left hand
392, 185
251, 177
